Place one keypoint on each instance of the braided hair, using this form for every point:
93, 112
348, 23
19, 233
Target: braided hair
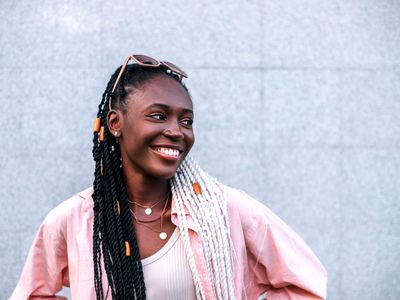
115, 247
202, 195
114, 241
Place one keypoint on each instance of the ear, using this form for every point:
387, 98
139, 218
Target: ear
114, 122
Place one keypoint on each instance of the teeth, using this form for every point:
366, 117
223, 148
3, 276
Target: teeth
168, 151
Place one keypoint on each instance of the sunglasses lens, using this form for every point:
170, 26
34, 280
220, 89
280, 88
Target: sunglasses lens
146, 60
175, 68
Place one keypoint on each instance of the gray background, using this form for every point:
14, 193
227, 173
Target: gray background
296, 102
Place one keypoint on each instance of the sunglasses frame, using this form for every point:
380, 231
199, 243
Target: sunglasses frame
153, 63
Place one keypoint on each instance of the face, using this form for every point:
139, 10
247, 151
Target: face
155, 127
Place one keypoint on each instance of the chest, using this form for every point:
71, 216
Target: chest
167, 274
149, 235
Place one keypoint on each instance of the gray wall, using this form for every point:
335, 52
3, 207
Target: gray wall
297, 103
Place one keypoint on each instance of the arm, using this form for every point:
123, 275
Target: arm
284, 265
46, 268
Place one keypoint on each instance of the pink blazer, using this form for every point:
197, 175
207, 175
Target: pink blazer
269, 257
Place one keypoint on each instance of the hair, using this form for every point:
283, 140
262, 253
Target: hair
208, 210
115, 248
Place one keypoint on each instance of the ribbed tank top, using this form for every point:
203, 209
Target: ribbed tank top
167, 273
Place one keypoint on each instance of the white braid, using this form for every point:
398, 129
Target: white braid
195, 209
220, 206
183, 228
220, 217
213, 244
209, 213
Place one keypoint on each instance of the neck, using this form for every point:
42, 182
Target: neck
144, 190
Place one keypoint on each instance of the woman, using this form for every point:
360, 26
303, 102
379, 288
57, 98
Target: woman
154, 225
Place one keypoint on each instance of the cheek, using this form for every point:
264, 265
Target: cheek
141, 136
190, 139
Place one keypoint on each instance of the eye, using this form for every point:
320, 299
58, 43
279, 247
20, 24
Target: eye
158, 116
187, 122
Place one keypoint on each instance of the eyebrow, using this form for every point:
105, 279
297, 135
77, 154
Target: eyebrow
167, 107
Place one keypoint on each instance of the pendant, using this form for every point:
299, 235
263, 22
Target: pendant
148, 211
163, 235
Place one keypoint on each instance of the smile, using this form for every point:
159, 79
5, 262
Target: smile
168, 153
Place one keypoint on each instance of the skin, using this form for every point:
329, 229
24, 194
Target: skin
159, 113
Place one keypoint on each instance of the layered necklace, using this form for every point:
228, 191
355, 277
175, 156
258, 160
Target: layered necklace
161, 233
148, 210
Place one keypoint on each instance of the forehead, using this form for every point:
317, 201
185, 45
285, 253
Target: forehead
162, 90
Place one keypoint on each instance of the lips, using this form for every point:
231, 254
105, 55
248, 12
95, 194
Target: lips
171, 153
167, 151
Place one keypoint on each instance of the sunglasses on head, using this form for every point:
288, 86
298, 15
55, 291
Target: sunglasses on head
149, 62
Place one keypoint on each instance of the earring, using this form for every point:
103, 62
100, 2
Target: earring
116, 133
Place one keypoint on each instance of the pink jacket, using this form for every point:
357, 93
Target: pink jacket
268, 255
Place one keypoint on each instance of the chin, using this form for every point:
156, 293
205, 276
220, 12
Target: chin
166, 169
164, 173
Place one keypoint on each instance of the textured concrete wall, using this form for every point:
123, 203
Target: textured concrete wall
297, 103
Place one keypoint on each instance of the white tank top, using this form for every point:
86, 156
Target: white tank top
167, 273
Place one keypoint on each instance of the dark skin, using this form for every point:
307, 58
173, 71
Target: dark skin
155, 135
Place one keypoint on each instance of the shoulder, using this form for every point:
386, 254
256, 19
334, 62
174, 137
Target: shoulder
251, 213
243, 207
70, 211
81, 201
238, 199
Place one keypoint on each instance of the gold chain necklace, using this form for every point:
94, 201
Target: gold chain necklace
148, 210
162, 234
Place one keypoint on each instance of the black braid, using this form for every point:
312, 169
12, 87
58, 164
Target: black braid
111, 229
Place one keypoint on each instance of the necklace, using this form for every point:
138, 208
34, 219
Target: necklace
148, 210
143, 221
162, 234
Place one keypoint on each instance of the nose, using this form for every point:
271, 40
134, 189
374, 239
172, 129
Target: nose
174, 132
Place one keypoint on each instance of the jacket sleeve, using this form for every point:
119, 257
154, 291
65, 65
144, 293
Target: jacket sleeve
284, 266
46, 268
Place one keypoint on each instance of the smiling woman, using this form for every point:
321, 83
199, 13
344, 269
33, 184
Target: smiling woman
155, 127
156, 226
